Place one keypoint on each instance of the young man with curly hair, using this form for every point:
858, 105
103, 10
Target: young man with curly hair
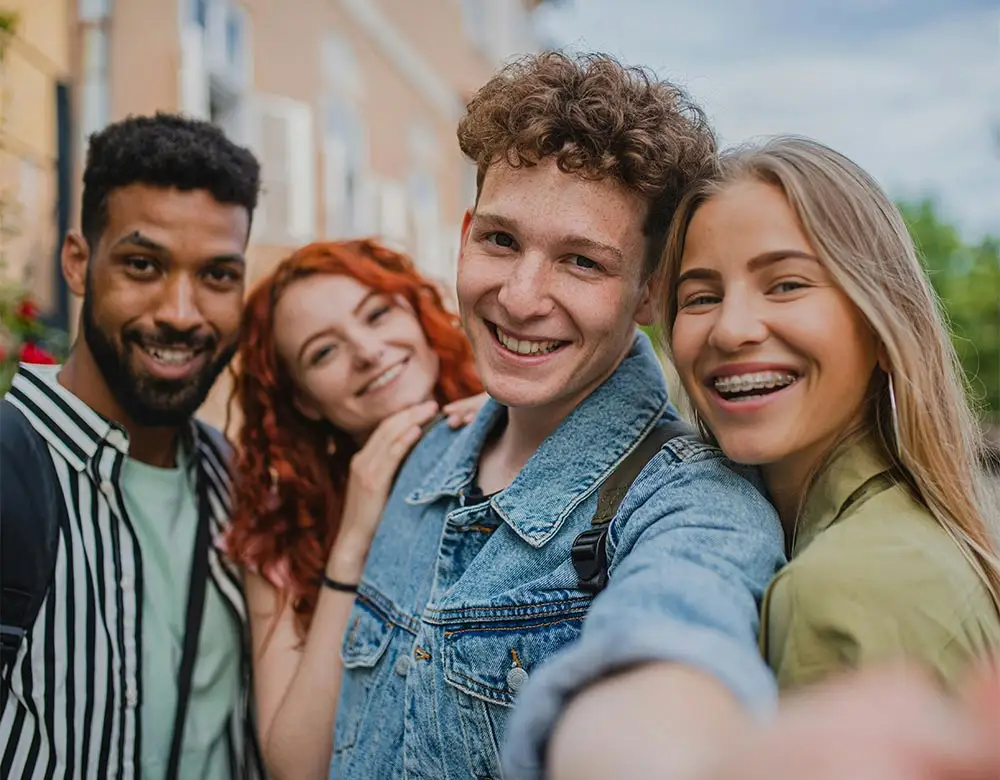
136, 663
470, 585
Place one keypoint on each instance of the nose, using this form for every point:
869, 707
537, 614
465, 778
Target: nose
525, 294
178, 309
738, 324
368, 349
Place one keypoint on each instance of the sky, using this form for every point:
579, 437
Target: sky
909, 89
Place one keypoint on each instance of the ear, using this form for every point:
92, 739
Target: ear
306, 409
466, 224
75, 258
883, 357
645, 312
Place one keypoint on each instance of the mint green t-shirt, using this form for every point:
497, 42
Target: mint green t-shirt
163, 507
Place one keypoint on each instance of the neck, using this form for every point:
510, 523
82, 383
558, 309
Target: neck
784, 488
505, 456
155, 446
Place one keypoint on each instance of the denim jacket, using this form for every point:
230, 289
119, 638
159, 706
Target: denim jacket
464, 602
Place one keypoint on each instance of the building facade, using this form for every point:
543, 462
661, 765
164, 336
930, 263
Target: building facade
35, 165
351, 106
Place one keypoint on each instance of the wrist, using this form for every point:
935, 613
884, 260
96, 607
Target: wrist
346, 561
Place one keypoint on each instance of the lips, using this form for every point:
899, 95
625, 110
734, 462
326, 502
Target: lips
522, 345
385, 378
171, 363
750, 384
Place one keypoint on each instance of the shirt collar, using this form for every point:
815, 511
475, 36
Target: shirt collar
851, 472
573, 460
71, 427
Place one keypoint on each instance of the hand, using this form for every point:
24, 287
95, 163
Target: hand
464, 410
885, 724
371, 474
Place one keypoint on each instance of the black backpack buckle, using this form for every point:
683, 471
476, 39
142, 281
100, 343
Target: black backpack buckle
590, 559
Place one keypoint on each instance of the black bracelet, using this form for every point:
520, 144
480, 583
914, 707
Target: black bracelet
341, 586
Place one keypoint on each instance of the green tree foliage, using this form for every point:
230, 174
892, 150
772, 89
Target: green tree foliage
967, 279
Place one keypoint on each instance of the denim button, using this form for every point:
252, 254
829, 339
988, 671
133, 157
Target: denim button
516, 677
402, 665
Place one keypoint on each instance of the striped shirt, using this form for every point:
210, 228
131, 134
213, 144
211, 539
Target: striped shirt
76, 684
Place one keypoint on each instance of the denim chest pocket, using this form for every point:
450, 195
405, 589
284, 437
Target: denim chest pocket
487, 663
366, 640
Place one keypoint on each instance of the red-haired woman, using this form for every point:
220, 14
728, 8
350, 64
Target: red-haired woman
347, 352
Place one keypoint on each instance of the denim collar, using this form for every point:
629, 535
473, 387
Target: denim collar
573, 461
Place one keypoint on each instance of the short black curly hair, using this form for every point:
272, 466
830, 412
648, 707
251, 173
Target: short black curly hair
598, 119
164, 150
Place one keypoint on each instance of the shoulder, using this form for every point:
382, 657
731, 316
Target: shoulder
690, 487
887, 577
689, 472
892, 547
213, 444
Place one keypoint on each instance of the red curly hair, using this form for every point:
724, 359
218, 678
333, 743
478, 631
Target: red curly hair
289, 488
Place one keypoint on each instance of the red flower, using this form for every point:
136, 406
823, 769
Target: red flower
27, 309
32, 353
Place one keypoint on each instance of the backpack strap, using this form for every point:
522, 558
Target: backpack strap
589, 551
31, 513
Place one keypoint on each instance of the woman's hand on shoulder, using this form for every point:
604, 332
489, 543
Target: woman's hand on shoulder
464, 410
371, 475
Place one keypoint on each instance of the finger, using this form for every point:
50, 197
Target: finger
456, 420
402, 445
394, 425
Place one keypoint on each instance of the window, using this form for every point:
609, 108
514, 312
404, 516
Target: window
348, 194
94, 10
345, 152
95, 108
199, 12
283, 141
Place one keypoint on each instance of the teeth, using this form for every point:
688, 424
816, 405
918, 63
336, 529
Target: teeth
386, 378
525, 347
759, 381
170, 357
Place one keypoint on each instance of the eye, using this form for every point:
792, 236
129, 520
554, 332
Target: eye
223, 276
585, 263
140, 266
378, 314
322, 353
789, 285
500, 239
700, 299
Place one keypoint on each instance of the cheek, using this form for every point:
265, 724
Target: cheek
327, 389
686, 342
474, 278
224, 314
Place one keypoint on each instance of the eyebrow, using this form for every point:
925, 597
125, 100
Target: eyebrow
326, 331
580, 242
754, 264
135, 238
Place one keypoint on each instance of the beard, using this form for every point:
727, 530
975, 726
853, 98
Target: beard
147, 400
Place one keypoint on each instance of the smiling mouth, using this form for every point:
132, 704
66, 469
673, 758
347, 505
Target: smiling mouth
170, 356
747, 387
384, 378
525, 347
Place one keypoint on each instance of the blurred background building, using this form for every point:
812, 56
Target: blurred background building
351, 106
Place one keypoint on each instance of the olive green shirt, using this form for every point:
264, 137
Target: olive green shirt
873, 577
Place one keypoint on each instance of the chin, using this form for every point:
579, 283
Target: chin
748, 453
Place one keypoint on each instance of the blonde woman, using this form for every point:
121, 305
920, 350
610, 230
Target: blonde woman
809, 341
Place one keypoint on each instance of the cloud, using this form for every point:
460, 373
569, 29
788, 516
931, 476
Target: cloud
910, 90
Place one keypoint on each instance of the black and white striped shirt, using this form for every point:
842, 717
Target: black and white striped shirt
76, 682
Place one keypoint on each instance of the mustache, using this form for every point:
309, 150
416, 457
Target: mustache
168, 338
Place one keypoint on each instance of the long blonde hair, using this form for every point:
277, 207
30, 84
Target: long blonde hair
863, 242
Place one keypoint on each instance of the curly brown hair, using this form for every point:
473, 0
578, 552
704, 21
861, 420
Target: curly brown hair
599, 119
